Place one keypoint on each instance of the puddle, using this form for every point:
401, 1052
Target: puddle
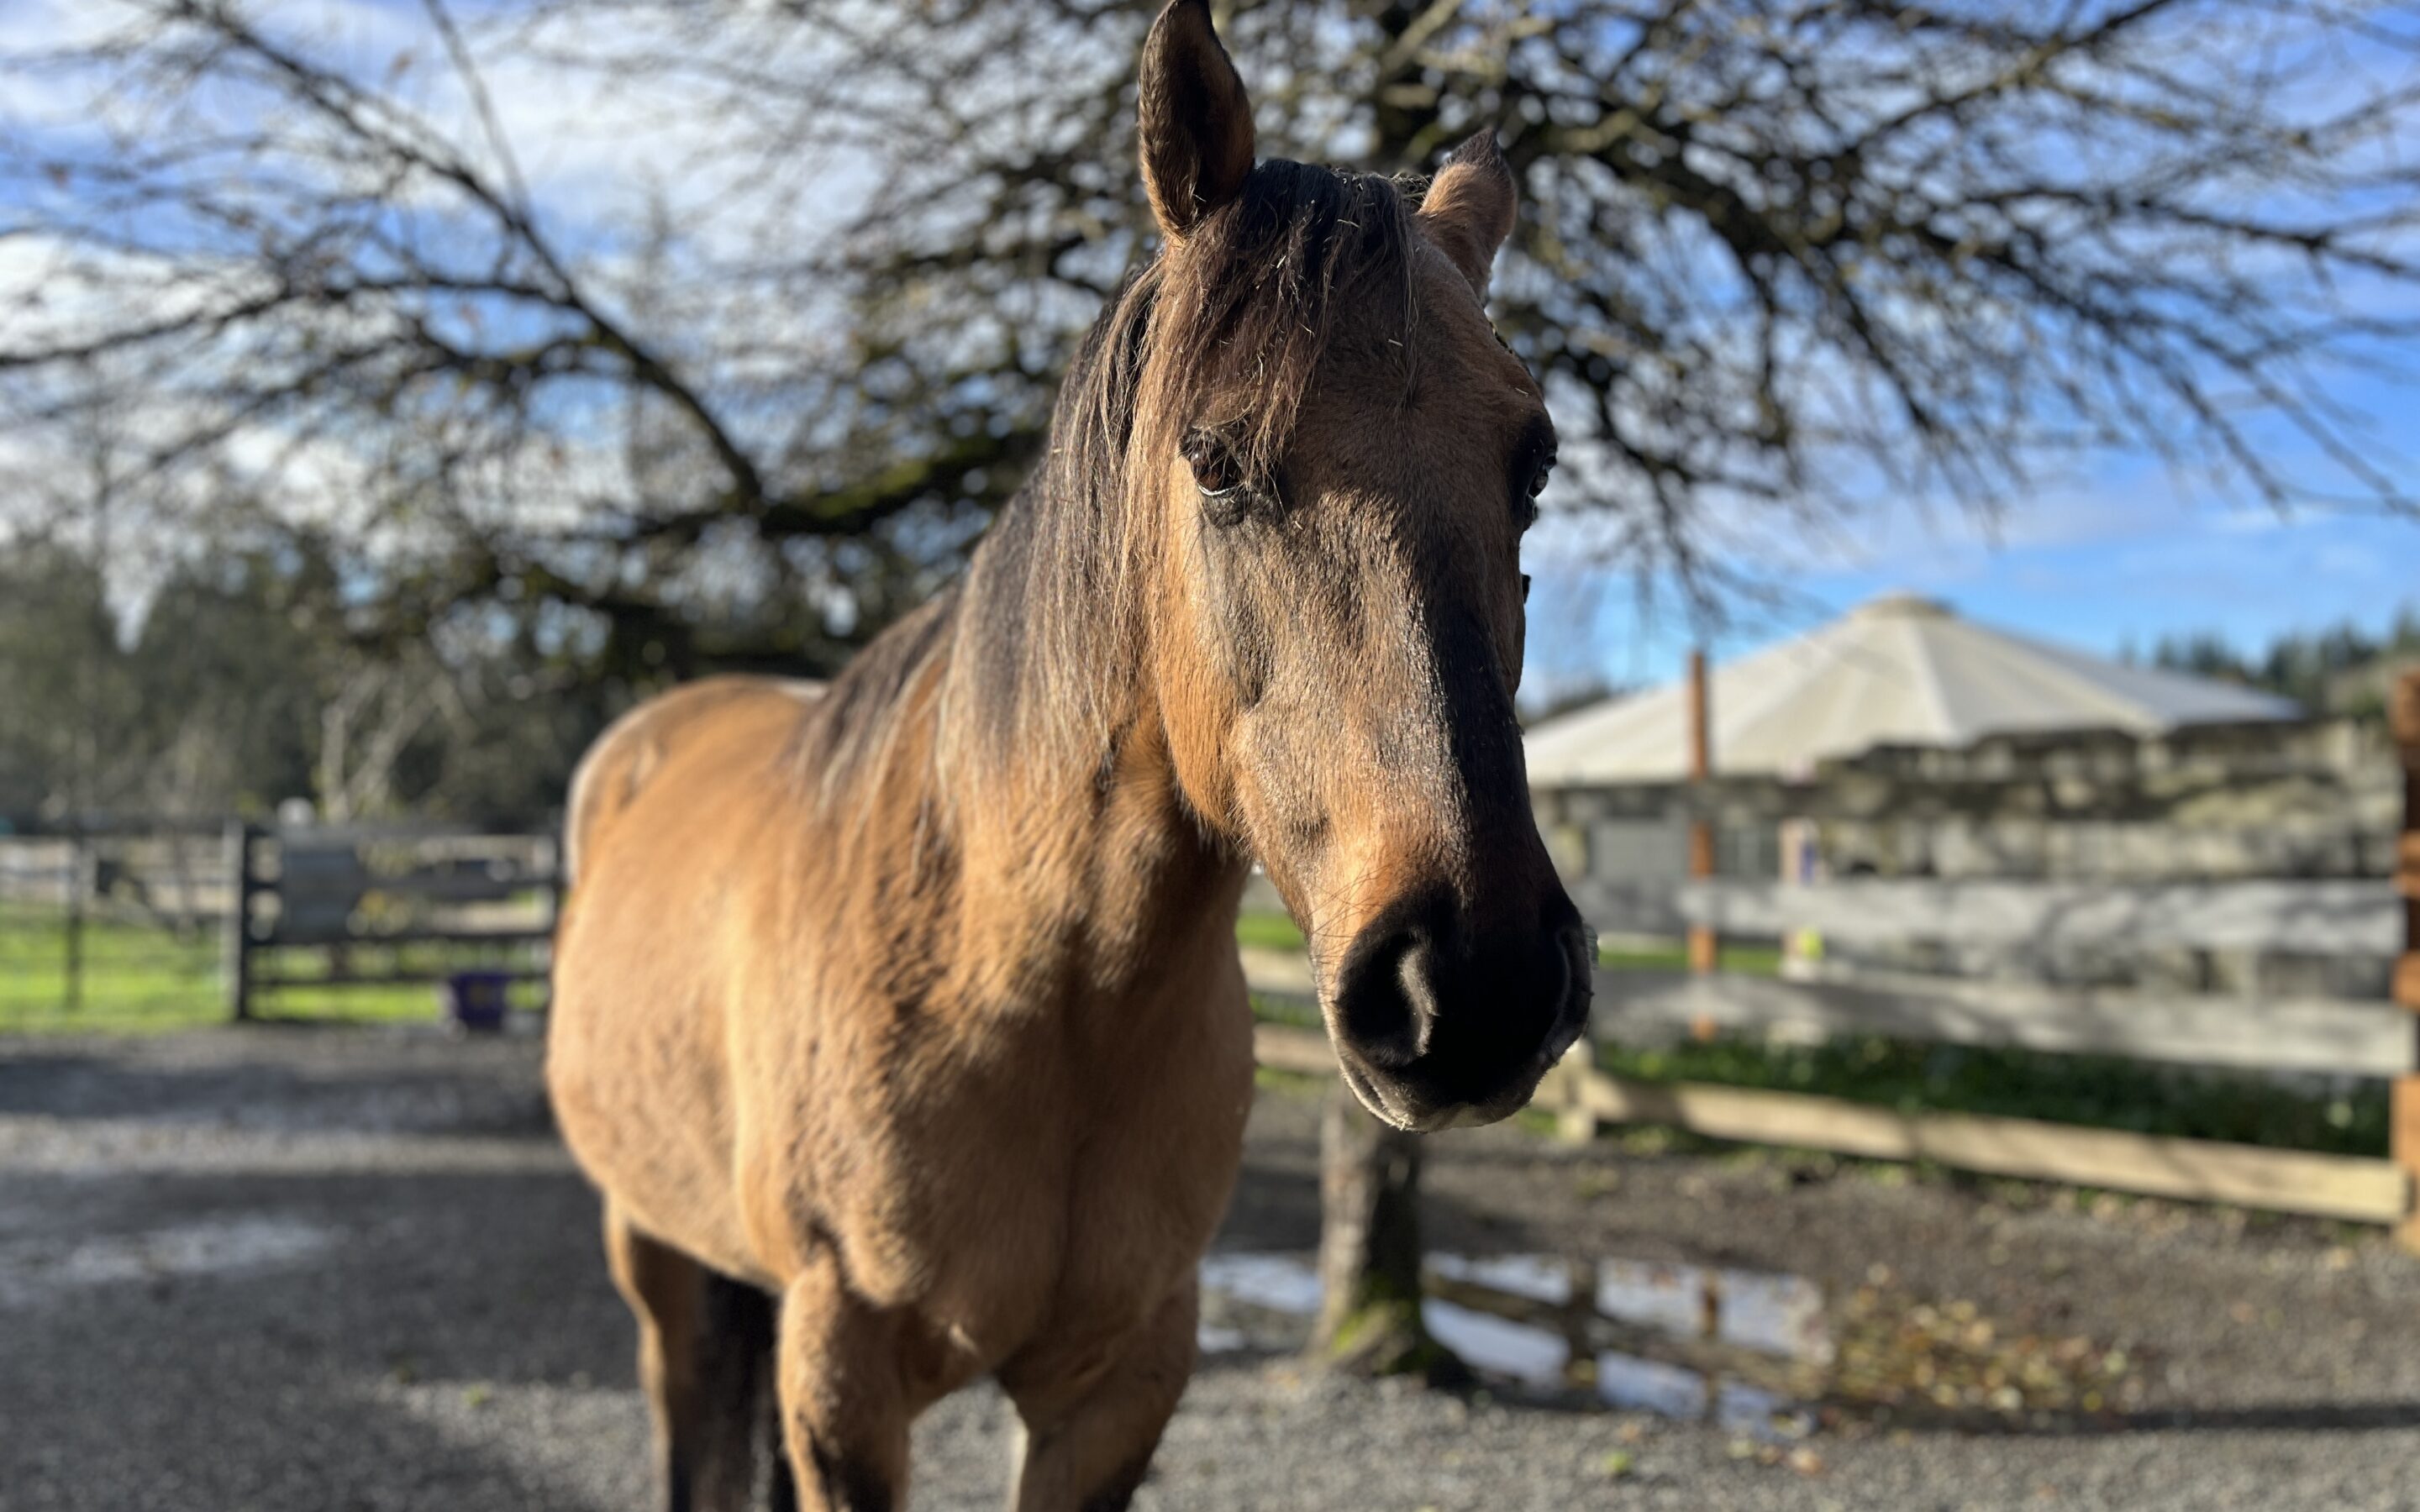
1530, 1355
1753, 1351
32, 1270
1280, 1283
1533, 1276
1644, 1386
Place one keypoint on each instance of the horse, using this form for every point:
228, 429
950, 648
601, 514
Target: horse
899, 1020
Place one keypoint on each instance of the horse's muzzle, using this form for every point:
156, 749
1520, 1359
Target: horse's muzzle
1436, 1023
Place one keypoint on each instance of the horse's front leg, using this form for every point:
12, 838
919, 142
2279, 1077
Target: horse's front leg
845, 1410
703, 1341
1091, 1422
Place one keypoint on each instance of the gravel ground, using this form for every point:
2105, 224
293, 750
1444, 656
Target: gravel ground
303, 1270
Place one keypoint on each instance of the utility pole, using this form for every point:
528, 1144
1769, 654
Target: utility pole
1704, 949
2403, 717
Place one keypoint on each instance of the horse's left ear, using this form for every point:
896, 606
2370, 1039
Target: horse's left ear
1468, 208
1195, 121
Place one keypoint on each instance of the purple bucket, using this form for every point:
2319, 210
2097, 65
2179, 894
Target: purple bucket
474, 1000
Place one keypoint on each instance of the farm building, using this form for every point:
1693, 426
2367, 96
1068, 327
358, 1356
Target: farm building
1928, 744
1904, 741
1901, 671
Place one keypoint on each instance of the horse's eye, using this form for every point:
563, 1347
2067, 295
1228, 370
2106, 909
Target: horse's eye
1526, 506
1216, 471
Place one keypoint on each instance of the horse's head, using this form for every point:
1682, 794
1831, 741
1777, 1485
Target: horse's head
1339, 458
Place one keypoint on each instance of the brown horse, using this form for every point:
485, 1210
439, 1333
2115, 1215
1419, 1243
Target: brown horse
900, 1021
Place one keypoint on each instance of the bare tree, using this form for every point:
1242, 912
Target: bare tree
375, 708
1778, 256
317, 284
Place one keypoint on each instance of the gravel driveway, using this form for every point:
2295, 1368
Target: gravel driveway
292, 1270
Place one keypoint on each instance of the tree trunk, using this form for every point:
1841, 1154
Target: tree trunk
1370, 1250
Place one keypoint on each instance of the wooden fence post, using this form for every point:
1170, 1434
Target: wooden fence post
2403, 717
1703, 948
558, 891
72, 987
235, 935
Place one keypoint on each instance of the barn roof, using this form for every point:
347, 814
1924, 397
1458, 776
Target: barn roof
1900, 670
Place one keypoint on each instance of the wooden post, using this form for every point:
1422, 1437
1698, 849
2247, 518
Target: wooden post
73, 987
2403, 717
235, 935
1703, 950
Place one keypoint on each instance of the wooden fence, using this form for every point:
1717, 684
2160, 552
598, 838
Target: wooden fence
2363, 1038
356, 902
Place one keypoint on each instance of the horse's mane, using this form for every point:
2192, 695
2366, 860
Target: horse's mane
1044, 632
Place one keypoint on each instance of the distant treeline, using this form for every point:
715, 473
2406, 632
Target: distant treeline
2342, 671
242, 682
248, 678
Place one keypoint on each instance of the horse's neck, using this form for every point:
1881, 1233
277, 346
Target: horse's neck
1095, 866
1068, 852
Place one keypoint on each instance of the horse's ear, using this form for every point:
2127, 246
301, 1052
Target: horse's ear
1196, 122
1468, 208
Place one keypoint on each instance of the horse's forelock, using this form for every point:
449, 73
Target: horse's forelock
1231, 323
1247, 304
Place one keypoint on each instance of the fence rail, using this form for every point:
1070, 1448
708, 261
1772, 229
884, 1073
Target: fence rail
2317, 1035
2342, 916
2350, 1187
2351, 917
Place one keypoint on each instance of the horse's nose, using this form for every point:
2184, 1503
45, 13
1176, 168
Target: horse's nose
1443, 1016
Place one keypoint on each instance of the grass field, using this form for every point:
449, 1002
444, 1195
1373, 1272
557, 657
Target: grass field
149, 979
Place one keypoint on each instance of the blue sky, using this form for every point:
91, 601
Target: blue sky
2126, 556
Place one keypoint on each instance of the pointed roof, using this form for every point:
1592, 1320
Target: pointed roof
1901, 670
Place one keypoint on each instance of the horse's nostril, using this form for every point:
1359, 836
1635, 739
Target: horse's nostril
1415, 974
1386, 996
1446, 1014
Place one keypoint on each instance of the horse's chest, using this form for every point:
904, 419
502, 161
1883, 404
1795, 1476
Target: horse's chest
1002, 1186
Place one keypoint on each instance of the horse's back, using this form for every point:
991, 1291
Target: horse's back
662, 812
717, 713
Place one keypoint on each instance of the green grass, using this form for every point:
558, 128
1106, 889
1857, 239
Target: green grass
1267, 931
1294, 1012
1748, 960
133, 978
139, 978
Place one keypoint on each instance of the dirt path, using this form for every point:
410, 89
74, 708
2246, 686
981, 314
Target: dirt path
298, 1269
